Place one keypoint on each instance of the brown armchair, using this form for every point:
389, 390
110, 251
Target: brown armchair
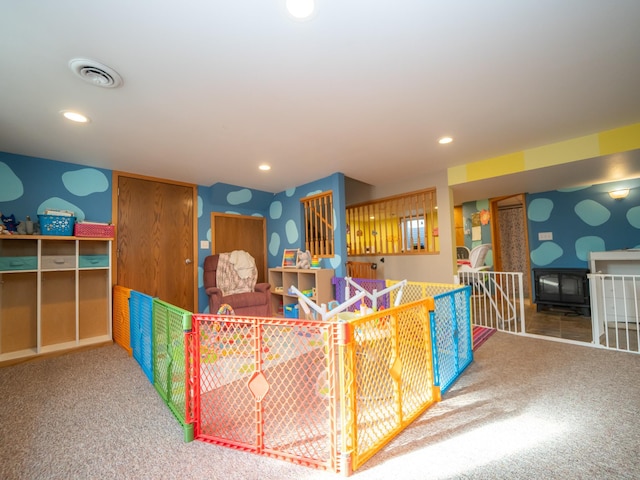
254, 304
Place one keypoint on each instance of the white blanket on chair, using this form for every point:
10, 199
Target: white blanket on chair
243, 262
231, 279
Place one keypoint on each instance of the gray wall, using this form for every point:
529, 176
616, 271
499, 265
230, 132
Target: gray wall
436, 268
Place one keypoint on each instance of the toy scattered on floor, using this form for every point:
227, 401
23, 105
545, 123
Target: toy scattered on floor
303, 259
226, 309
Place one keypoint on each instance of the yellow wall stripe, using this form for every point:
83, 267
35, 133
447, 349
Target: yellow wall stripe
620, 139
562, 152
495, 167
604, 143
457, 175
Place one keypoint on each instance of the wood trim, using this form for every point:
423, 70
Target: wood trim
496, 241
115, 177
392, 218
117, 174
399, 196
319, 231
495, 235
196, 250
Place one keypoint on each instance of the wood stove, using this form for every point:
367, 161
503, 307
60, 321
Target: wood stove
562, 287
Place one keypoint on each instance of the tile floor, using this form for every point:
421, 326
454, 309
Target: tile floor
570, 326
558, 323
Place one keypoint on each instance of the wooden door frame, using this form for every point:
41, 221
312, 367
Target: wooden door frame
496, 240
115, 182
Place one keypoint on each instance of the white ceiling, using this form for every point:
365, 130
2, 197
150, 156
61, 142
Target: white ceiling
214, 88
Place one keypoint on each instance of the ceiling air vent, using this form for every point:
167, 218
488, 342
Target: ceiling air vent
95, 73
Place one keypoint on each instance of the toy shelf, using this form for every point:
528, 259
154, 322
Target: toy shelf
317, 281
55, 294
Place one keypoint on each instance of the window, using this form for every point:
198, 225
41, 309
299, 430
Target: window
403, 224
413, 234
318, 224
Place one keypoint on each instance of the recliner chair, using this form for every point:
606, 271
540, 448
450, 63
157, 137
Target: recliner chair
255, 304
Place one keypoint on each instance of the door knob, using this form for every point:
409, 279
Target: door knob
187, 261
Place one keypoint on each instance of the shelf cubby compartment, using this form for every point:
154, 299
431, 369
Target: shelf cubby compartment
317, 280
18, 314
58, 255
93, 255
93, 286
58, 308
17, 256
55, 294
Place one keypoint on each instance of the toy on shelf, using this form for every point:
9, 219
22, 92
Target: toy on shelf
9, 222
303, 259
27, 227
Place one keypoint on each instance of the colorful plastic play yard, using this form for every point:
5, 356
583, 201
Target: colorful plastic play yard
327, 391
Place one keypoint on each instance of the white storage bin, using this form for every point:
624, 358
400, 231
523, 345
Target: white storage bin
54, 262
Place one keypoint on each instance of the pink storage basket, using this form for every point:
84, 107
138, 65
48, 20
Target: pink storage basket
93, 230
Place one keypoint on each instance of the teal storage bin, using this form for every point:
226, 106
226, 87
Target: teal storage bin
93, 261
18, 263
56, 225
291, 310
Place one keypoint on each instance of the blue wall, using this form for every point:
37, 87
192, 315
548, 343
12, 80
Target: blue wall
29, 185
285, 218
582, 220
468, 209
223, 198
204, 233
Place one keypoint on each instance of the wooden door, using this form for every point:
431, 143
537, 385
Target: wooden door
241, 232
459, 225
155, 239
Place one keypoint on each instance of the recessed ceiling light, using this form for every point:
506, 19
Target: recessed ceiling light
74, 116
445, 140
264, 167
300, 9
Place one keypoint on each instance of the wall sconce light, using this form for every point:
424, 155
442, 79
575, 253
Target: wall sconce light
619, 194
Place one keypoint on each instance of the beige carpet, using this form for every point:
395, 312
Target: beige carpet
525, 409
